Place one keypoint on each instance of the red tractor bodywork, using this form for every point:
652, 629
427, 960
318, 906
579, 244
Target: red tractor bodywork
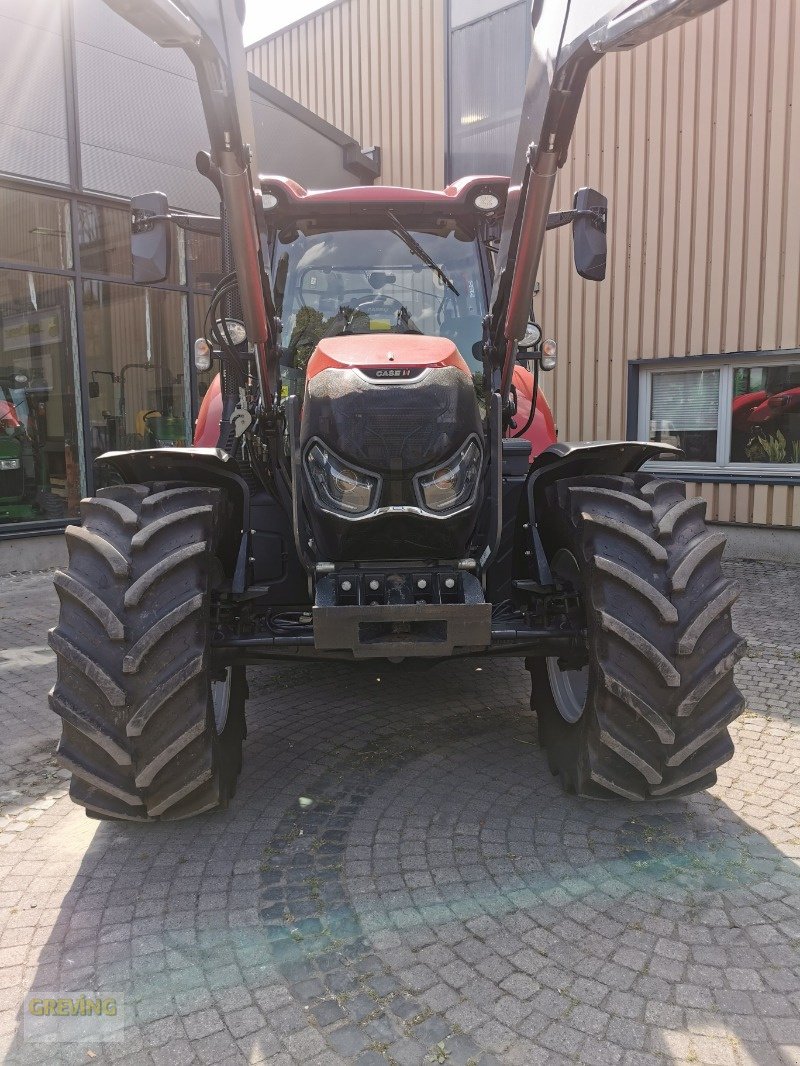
541, 432
760, 408
206, 428
8, 415
388, 354
460, 193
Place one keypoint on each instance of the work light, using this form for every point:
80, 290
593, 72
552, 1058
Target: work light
487, 201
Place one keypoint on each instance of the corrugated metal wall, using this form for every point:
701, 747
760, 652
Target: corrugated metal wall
375, 69
695, 139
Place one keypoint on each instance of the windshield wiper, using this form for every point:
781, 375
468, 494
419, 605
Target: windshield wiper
416, 249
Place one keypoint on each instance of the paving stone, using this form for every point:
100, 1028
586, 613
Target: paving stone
348, 1040
439, 888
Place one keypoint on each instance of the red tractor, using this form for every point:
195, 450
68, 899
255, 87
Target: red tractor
376, 474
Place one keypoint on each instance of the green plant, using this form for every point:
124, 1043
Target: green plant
767, 449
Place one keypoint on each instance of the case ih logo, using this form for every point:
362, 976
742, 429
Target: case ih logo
394, 372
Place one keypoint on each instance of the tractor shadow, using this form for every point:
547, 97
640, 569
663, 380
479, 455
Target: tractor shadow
399, 870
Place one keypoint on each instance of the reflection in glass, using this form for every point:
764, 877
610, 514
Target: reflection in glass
35, 230
39, 456
684, 410
203, 253
104, 238
135, 345
765, 422
203, 377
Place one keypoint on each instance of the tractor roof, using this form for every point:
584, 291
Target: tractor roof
295, 199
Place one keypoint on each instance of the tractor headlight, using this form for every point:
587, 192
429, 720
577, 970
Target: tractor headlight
336, 485
453, 483
9, 464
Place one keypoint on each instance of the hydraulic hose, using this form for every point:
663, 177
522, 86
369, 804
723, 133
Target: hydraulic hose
534, 401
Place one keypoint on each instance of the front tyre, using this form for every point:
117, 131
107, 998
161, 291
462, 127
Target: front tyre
149, 731
648, 715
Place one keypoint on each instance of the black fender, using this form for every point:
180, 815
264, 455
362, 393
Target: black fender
199, 466
563, 460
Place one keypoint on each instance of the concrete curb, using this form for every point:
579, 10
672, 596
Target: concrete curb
766, 544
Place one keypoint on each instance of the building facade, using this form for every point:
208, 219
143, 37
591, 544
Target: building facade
92, 112
694, 337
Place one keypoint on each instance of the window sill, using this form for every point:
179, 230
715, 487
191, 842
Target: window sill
13, 530
735, 474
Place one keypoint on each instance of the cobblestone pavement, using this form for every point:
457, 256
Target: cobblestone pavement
401, 880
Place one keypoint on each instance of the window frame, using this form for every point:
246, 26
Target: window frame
720, 469
76, 274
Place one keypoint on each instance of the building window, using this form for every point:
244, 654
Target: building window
134, 360
135, 345
34, 230
40, 450
203, 252
203, 378
684, 410
765, 414
742, 417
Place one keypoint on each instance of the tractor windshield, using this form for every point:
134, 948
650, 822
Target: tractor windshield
338, 281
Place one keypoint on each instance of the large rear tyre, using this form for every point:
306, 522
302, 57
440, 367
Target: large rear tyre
147, 730
648, 715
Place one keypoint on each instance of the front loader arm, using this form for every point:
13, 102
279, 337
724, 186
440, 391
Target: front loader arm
569, 37
210, 33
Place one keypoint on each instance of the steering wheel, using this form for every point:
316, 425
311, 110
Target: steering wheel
380, 301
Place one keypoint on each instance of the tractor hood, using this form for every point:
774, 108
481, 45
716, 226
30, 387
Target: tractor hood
386, 356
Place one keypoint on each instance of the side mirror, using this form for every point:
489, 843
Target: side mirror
94, 390
589, 234
150, 238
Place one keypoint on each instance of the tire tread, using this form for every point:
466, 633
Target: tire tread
132, 692
661, 642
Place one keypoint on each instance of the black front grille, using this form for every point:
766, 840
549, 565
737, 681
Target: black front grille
391, 428
398, 439
395, 430
12, 484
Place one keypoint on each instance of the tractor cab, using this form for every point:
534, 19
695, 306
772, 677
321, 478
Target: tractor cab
382, 261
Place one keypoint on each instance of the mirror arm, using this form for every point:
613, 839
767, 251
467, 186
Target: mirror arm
557, 219
141, 221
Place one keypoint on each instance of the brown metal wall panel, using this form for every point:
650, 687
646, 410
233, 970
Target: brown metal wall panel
695, 138
703, 131
375, 69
